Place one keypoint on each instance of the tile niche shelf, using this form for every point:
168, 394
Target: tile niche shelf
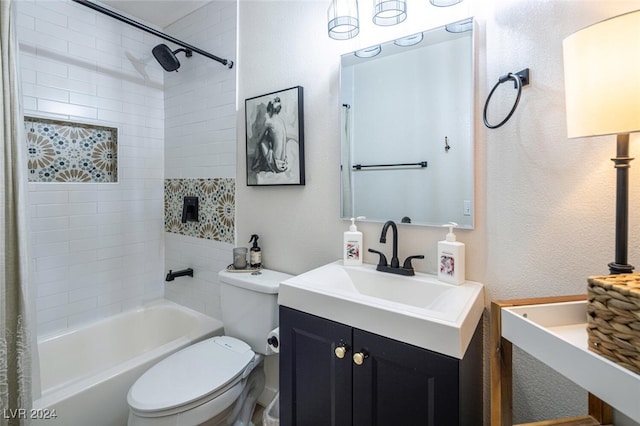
553, 330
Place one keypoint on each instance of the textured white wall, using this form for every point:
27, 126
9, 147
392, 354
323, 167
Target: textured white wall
97, 248
544, 204
200, 142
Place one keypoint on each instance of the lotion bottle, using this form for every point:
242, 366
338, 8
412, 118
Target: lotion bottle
352, 247
451, 258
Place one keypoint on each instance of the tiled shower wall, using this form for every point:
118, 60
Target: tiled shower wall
97, 247
200, 147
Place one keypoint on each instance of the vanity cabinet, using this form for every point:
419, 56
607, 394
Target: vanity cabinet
334, 374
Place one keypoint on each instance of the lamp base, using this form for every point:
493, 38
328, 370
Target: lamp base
617, 268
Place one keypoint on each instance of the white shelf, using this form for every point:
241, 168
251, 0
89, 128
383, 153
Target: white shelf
556, 334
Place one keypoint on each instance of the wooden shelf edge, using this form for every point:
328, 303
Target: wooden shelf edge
569, 421
500, 362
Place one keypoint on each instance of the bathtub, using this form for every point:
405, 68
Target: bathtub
87, 372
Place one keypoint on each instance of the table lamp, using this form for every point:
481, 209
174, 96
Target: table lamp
602, 87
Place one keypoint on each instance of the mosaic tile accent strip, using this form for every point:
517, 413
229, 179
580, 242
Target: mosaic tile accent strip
61, 151
216, 208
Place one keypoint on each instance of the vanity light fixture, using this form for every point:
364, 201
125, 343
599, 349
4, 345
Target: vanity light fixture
460, 26
389, 12
409, 41
602, 88
342, 17
368, 52
444, 3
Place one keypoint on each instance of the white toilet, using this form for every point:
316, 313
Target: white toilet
216, 381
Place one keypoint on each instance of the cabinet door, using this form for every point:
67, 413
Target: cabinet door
400, 384
315, 385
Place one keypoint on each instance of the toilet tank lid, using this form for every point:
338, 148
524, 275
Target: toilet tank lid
263, 281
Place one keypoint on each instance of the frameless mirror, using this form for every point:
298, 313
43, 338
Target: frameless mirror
407, 128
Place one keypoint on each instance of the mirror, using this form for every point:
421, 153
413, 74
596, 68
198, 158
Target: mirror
407, 129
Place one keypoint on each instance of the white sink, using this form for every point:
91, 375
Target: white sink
395, 288
419, 310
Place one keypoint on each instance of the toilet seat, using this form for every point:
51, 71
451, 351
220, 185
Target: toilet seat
192, 376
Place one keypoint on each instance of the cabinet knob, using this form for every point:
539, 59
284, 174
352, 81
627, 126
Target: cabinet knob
340, 352
359, 357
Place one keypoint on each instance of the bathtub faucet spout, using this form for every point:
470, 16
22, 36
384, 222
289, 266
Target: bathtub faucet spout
173, 275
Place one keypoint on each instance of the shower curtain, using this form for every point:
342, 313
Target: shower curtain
15, 337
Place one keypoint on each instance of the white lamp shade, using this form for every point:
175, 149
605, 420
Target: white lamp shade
602, 77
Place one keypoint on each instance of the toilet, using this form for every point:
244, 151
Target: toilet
218, 380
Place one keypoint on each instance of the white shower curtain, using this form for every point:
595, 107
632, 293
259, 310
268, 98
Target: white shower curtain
15, 337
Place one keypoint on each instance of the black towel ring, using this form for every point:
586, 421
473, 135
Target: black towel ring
519, 79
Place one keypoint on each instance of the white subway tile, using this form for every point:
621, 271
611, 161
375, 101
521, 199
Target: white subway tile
47, 237
108, 115
48, 223
81, 233
50, 80
51, 249
111, 252
49, 197
66, 109
49, 210
93, 291
81, 258
83, 245
35, 10
51, 262
51, 301
82, 208
55, 287
50, 275
59, 312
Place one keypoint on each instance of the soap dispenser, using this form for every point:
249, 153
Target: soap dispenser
352, 248
451, 258
255, 253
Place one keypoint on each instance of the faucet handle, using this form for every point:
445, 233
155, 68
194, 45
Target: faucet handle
383, 259
407, 261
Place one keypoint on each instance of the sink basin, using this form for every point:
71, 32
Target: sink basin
419, 310
397, 289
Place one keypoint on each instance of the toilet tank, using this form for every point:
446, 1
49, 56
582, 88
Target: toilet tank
249, 304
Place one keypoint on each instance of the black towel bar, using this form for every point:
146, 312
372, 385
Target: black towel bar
361, 166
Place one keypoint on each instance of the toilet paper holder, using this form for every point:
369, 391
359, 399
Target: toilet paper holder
273, 341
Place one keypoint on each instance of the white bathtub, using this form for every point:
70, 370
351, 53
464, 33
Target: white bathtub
87, 372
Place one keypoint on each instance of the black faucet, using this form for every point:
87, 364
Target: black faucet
173, 275
395, 263
394, 268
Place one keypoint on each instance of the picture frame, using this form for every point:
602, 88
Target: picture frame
275, 138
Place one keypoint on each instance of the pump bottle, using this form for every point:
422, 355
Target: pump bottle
255, 253
352, 245
451, 258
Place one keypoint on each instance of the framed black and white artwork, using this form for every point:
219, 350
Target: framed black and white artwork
275, 138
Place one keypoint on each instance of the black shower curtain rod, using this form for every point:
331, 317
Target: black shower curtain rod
155, 32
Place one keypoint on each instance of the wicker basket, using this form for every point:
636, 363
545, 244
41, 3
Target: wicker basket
613, 322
